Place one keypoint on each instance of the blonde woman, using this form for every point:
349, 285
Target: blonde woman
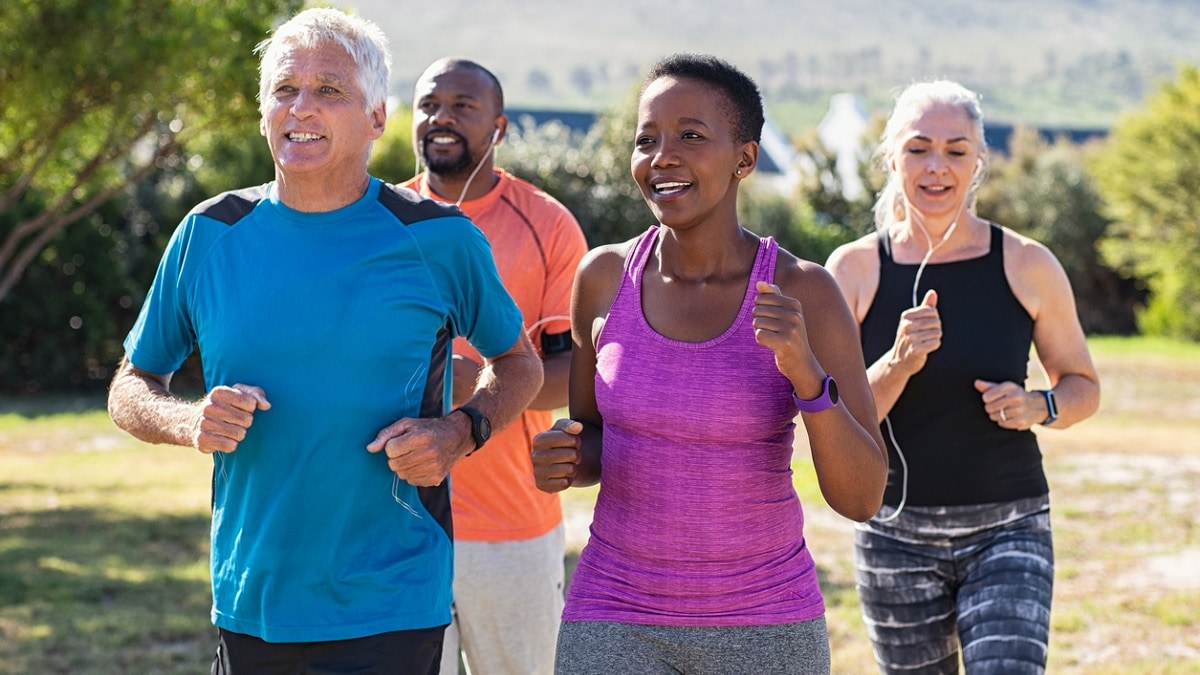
959, 559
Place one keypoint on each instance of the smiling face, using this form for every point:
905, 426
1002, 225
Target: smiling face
315, 117
935, 159
456, 113
685, 156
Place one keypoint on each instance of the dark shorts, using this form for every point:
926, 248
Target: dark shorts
406, 652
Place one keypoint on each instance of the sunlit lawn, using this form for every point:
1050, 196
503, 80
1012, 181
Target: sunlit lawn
104, 540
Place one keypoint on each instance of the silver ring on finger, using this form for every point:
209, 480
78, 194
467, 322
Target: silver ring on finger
1003, 415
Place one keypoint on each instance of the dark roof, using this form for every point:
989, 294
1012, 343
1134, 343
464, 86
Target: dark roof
998, 136
574, 120
582, 121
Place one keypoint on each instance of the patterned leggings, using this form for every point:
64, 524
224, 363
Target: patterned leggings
978, 575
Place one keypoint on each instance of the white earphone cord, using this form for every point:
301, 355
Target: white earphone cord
916, 284
478, 165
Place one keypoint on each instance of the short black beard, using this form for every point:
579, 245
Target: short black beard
446, 167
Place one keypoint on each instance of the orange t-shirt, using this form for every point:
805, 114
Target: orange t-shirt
537, 245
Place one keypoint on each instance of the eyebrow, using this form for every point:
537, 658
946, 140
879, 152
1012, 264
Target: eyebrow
324, 78
682, 120
956, 139
453, 97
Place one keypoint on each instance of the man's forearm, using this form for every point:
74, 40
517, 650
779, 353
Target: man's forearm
142, 405
507, 384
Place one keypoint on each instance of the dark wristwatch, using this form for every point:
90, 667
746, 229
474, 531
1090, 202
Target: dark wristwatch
828, 398
1051, 406
481, 426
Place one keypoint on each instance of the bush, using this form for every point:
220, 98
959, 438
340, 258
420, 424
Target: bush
1044, 191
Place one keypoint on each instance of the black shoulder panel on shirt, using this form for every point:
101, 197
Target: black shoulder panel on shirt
410, 207
230, 207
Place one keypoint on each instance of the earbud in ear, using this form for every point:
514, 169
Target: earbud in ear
496, 137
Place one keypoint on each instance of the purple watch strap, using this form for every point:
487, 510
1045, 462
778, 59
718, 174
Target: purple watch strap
827, 399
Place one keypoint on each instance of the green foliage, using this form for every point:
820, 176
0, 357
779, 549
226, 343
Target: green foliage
83, 284
588, 173
1043, 190
825, 191
98, 94
82, 293
67, 336
792, 221
392, 159
231, 157
1148, 176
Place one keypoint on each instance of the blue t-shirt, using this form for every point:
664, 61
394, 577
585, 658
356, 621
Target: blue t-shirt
345, 320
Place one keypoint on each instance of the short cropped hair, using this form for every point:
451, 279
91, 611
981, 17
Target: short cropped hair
454, 62
744, 102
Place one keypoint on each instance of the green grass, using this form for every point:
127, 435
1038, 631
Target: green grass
1125, 487
104, 550
1138, 347
104, 540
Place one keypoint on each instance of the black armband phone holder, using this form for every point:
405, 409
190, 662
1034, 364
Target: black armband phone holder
555, 343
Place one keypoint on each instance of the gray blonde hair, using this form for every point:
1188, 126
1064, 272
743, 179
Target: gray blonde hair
362, 40
889, 207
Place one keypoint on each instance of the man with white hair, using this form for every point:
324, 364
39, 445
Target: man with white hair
324, 305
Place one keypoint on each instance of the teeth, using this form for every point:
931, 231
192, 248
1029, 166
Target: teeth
443, 140
670, 187
303, 137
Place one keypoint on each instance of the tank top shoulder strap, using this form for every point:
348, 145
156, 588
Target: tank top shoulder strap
764, 261
995, 254
636, 261
885, 248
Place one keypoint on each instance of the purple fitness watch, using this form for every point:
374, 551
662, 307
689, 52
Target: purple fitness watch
827, 399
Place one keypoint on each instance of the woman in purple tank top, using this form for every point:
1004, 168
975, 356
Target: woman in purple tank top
695, 345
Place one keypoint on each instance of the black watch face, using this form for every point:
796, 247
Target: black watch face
833, 391
485, 428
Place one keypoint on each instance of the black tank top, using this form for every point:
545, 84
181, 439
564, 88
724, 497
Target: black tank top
956, 455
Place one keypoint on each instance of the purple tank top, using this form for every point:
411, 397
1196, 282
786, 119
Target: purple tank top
697, 522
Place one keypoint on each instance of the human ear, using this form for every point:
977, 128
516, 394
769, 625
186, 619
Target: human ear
748, 160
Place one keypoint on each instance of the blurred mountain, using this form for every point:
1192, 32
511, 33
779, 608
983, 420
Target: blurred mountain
1076, 63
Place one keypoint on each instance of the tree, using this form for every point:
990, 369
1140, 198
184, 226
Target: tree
587, 172
96, 95
392, 158
825, 190
1044, 191
1148, 177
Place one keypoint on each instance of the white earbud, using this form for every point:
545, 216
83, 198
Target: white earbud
496, 137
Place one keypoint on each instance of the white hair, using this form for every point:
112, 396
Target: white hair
362, 40
889, 207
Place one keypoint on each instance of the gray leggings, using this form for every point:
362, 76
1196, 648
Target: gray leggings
610, 648
936, 577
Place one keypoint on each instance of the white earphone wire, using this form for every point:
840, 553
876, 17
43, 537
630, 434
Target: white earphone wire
478, 165
916, 284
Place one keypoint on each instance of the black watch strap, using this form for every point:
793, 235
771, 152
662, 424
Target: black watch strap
481, 426
1051, 406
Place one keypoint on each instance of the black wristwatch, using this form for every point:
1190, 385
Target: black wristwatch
481, 426
1051, 406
